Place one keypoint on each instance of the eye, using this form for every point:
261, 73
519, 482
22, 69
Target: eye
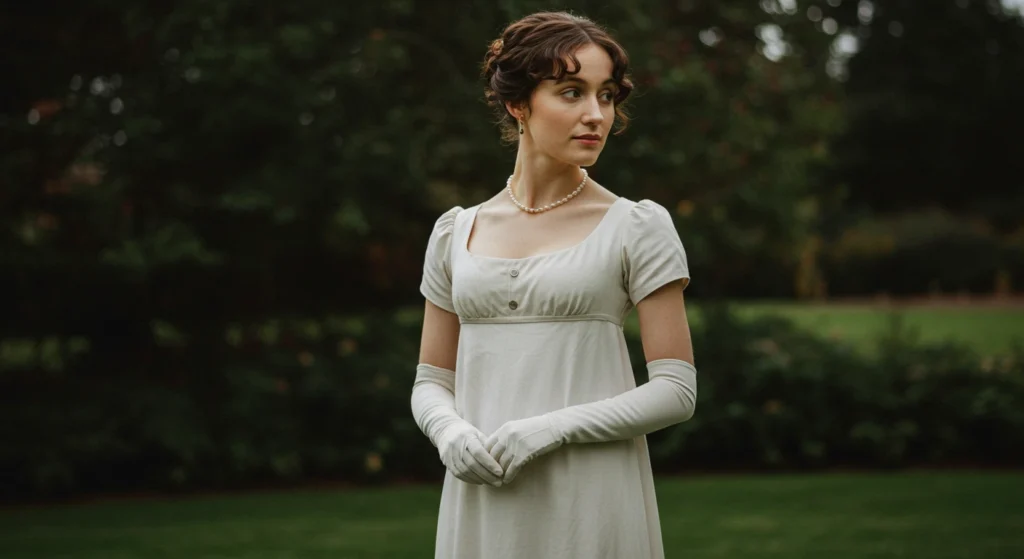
571, 93
608, 96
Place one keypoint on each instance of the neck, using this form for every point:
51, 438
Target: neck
540, 180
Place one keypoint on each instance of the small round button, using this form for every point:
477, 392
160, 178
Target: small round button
514, 273
513, 305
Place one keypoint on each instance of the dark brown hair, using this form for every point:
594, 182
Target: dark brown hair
530, 49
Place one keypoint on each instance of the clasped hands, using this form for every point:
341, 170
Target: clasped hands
496, 460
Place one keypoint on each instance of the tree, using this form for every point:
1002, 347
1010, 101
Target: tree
934, 107
178, 174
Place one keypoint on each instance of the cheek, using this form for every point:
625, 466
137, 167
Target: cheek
550, 110
553, 118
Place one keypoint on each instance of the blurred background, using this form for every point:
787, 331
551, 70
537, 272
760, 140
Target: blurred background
213, 222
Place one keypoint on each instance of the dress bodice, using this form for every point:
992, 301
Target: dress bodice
632, 251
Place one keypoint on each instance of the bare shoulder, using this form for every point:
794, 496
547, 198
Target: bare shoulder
496, 208
597, 201
600, 195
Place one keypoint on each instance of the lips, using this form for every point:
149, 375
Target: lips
593, 137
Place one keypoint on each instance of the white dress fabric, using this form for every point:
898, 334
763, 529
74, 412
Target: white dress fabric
539, 334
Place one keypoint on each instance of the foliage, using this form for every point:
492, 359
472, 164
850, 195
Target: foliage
179, 181
775, 396
916, 252
929, 93
329, 400
299, 153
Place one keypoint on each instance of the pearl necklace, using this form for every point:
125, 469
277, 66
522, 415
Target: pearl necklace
552, 205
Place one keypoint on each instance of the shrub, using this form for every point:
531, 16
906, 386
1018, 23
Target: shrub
914, 253
305, 400
773, 396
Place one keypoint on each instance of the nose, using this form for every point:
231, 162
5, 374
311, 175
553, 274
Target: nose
592, 114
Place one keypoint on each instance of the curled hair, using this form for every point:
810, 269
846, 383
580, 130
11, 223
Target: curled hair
530, 49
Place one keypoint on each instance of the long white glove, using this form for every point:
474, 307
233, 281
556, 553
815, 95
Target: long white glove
669, 397
458, 442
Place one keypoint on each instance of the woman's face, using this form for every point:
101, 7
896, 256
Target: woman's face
569, 119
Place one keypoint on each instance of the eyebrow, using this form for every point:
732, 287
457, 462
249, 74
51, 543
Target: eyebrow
574, 79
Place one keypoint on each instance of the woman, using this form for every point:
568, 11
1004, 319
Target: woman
524, 382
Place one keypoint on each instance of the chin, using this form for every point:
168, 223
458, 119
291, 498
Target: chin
583, 159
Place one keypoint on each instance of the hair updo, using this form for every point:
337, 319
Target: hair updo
535, 48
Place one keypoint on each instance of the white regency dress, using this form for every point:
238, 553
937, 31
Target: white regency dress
538, 334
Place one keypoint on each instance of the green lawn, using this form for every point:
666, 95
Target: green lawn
907, 515
990, 331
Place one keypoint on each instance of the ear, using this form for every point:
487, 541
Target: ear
518, 112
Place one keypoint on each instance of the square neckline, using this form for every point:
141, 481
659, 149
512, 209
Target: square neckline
593, 232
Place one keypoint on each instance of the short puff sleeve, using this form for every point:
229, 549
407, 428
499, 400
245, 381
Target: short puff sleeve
436, 285
653, 254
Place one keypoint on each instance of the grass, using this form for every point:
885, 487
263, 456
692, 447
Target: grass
928, 515
988, 330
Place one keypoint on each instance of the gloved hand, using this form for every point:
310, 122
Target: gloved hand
516, 443
458, 442
669, 397
462, 451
